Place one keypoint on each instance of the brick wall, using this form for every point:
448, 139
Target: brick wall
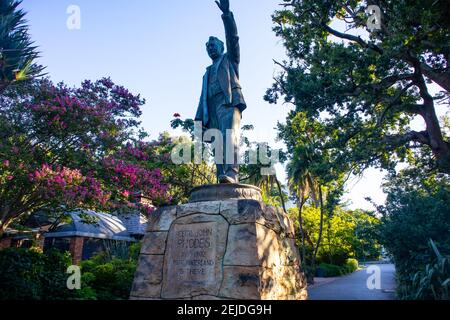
76, 249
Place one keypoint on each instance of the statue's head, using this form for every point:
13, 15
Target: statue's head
215, 47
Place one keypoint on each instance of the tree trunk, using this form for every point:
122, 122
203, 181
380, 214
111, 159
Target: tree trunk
330, 253
302, 233
320, 229
440, 148
442, 79
281, 195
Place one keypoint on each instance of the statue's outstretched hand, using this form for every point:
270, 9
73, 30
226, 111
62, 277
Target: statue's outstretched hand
224, 5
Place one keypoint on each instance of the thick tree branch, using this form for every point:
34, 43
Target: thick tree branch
350, 37
442, 79
394, 103
413, 136
391, 80
412, 108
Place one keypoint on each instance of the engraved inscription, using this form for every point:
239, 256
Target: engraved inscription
194, 256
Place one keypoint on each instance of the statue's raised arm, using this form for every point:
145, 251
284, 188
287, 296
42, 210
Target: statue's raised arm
224, 5
231, 31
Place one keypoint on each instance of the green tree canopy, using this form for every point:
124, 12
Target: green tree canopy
366, 88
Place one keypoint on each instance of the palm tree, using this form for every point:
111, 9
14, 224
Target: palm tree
305, 186
265, 182
17, 52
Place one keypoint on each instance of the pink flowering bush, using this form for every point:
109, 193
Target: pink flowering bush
129, 180
77, 147
68, 186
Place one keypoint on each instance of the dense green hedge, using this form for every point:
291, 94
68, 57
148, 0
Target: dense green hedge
31, 275
417, 210
108, 278
331, 270
351, 265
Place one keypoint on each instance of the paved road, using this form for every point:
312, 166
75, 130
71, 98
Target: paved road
354, 286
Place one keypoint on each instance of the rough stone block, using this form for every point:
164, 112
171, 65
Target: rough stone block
242, 246
241, 211
205, 297
290, 255
195, 249
241, 283
270, 219
268, 245
154, 243
252, 245
162, 219
142, 290
287, 226
211, 207
150, 268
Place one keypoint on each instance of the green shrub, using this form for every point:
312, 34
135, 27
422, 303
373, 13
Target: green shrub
106, 277
416, 210
433, 282
30, 275
351, 265
331, 270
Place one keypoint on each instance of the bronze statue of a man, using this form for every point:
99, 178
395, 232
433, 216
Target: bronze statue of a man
221, 103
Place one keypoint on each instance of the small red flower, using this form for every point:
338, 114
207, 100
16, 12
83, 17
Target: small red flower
177, 115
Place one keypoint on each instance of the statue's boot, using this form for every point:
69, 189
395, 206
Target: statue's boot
227, 179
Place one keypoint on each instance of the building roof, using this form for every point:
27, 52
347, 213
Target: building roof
134, 223
103, 226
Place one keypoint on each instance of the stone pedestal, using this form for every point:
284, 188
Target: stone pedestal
225, 244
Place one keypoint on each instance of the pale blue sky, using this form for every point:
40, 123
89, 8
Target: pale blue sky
157, 48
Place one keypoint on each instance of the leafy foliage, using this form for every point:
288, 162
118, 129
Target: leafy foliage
416, 210
17, 52
181, 178
31, 275
434, 281
106, 277
327, 270
330, 270
351, 234
364, 89
351, 265
77, 147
